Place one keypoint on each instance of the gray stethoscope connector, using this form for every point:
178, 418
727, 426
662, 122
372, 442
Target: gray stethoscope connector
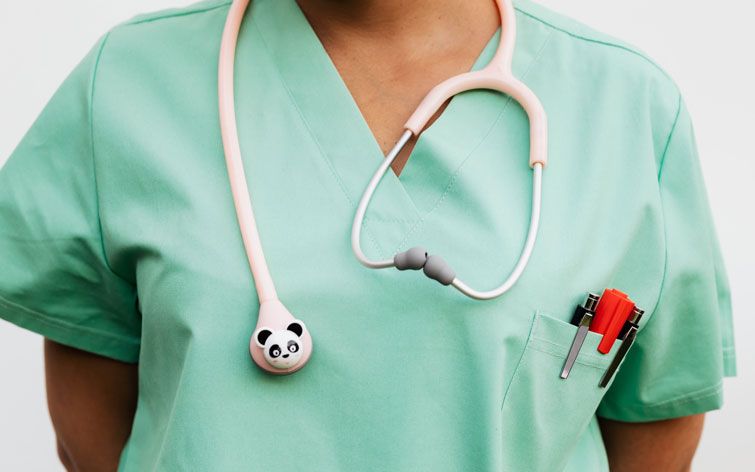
496, 75
434, 266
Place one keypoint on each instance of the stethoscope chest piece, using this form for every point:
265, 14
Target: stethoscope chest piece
280, 344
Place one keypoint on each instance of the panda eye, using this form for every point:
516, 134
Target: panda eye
275, 350
292, 346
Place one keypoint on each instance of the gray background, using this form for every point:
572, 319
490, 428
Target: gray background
705, 46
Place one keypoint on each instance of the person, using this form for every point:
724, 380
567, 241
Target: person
120, 245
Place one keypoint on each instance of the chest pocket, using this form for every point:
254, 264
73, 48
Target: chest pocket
543, 415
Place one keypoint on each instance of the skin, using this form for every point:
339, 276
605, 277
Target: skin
92, 400
667, 445
389, 53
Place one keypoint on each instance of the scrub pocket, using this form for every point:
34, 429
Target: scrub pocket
543, 415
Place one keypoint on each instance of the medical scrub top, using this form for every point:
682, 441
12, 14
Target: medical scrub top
118, 236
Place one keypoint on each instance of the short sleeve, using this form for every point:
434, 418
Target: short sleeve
54, 274
677, 363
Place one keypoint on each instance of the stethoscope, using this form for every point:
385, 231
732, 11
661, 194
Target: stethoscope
281, 343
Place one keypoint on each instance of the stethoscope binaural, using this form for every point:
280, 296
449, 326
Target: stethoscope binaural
281, 343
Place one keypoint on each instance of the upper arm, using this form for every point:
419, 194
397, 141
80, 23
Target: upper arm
667, 445
92, 400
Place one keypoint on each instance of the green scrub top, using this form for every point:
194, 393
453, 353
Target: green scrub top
119, 191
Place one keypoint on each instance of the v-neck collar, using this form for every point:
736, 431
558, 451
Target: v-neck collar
344, 137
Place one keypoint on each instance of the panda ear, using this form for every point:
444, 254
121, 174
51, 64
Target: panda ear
296, 327
260, 337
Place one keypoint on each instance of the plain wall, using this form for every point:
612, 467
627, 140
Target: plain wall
705, 46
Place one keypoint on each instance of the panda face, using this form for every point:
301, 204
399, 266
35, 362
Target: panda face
282, 348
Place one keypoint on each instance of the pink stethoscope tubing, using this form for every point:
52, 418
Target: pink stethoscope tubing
272, 313
497, 75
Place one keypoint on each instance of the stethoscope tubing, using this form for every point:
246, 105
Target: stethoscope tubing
273, 316
497, 75
263, 281
524, 257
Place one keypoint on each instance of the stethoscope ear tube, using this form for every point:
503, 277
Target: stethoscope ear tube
434, 266
497, 75
529, 245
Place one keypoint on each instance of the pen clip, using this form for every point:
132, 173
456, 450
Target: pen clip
620, 355
628, 335
584, 315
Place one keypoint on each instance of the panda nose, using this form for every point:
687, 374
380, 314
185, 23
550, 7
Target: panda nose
285, 355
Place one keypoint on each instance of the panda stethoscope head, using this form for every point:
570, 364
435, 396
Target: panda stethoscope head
277, 328
282, 348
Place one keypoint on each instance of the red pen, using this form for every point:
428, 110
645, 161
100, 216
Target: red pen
611, 314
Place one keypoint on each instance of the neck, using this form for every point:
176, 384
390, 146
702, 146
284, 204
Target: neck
397, 21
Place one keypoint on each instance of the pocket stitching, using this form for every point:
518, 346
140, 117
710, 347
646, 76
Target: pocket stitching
533, 325
513, 398
586, 359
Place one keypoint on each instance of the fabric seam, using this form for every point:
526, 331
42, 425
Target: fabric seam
533, 326
594, 40
55, 323
689, 397
11, 237
452, 183
323, 154
170, 423
588, 360
664, 276
670, 135
175, 14
101, 235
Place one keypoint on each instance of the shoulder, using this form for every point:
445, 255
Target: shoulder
156, 49
600, 76
173, 30
594, 43
155, 66
577, 41
189, 11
